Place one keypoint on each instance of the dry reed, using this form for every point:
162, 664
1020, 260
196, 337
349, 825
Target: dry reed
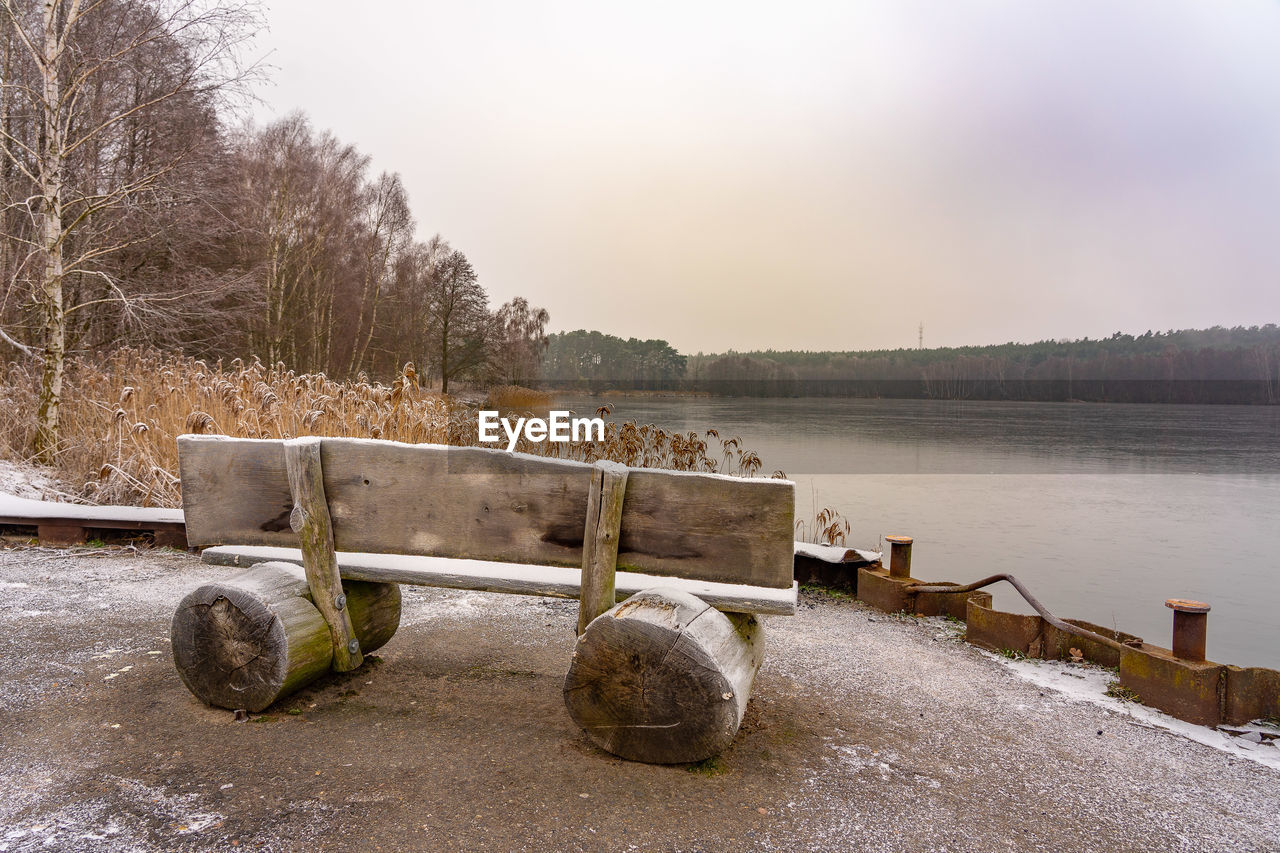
827, 527
121, 414
517, 398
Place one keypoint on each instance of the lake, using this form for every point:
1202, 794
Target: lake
1103, 510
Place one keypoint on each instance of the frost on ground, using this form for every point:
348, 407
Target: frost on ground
114, 817
865, 732
25, 480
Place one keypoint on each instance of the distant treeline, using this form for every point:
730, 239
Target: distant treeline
1215, 365
594, 357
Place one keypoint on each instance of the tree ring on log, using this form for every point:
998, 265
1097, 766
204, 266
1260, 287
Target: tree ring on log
663, 677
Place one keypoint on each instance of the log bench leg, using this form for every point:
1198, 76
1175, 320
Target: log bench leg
664, 677
251, 640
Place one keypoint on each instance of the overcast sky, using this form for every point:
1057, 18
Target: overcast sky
822, 175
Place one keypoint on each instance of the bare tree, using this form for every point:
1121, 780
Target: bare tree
300, 208
388, 233
520, 341
93, 81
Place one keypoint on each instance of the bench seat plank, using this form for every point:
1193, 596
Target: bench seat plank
518, 578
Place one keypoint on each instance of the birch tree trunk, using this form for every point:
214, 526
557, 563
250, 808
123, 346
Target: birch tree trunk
51, 233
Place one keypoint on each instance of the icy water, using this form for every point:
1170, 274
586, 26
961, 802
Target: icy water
1103, 510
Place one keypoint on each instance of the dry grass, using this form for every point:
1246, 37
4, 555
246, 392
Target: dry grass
121, 414
650, 446
510, 398
827, 527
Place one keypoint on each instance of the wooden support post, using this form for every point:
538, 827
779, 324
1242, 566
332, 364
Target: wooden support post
65, 533
600, 541
310, 520
170, 536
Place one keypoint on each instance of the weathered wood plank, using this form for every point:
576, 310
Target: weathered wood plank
514, 578
235, 491
310, 520
487, 504
600, 541
731, 529
455, 502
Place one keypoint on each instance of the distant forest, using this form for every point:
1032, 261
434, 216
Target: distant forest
1215, 365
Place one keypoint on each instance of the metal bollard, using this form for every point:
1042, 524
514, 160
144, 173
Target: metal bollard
899, 556
1190, 627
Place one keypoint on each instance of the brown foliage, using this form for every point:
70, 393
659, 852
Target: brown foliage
122, 414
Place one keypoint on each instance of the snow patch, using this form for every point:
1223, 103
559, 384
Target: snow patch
1089, 684
834, 553
30, 481
20, 507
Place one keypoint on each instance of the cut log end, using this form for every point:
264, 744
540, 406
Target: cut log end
663, 677
251, 640
229, 647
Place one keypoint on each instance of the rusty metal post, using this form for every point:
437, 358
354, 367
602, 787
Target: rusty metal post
899, 556
1190, 627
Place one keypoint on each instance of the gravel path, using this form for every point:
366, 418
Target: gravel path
865, 732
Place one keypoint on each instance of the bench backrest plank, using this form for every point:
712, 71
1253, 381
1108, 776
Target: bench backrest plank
477, 503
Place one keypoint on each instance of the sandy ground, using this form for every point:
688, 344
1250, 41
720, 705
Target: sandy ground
865, 732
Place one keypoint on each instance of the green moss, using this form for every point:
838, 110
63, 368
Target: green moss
708, 767
1116, 690
827, 592
785, 733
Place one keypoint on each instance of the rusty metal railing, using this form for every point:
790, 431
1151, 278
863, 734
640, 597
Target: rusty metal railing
1060, 624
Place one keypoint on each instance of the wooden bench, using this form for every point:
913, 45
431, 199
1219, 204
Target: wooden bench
663, 676
71, 524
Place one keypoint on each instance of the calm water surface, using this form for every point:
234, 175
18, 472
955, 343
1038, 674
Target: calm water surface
1104, 510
